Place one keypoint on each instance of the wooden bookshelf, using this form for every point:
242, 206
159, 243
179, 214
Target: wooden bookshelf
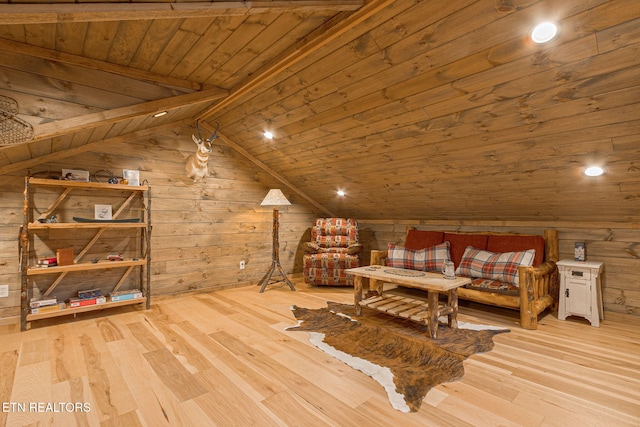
85, 257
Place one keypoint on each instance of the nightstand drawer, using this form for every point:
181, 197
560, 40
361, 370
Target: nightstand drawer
579, 274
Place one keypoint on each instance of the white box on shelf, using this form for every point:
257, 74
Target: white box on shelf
132, 176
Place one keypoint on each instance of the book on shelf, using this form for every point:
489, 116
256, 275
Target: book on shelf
42, 302
81, 302
48, 261
90, 293
48, 308
126, 295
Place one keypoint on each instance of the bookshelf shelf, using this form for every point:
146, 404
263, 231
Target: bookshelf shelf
83, 309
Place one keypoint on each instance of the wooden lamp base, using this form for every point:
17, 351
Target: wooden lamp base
275, 259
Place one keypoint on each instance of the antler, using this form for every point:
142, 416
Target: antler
213, 136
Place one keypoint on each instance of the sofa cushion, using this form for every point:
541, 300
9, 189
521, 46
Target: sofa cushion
328, 268
459, 242
495, 286
478, 263
428, 259
334, 232
515, 243
421, 239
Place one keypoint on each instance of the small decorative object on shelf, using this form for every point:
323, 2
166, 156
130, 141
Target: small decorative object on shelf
115, 257
580, 251
65, 256
75, 175
51, 220
64, 273
103, 173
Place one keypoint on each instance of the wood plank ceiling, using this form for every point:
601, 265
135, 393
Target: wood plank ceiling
416, 109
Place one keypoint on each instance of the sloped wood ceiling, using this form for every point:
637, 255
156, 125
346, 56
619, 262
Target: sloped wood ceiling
416, 109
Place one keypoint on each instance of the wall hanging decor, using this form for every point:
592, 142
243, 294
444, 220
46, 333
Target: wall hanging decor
196, 167
13, 130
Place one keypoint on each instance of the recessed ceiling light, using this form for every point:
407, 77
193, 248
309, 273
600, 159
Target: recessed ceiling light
341, 193
594, 171
160, 114
544, 32
268, 135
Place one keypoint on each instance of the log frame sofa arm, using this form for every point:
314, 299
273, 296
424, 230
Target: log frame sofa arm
378, 257
535, 297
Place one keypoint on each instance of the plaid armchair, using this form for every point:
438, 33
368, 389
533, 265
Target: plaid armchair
333, 248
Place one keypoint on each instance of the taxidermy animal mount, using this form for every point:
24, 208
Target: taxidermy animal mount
197, 168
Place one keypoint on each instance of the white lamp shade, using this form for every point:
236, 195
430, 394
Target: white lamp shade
275, 198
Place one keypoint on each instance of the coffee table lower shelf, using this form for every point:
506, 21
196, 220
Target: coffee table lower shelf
413, 309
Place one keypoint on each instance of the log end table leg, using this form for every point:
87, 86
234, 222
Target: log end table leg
357, 294
432, 305
453, 303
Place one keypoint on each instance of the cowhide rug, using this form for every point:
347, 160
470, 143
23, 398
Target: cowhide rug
395, 352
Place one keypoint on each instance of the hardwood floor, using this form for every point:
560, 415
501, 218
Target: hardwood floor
225, 359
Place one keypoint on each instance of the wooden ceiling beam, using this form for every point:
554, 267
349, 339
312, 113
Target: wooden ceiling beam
332, 29
77, 124
95, 12
82, 61
27, 164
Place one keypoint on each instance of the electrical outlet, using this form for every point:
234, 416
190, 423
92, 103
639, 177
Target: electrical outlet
241, 265
4, 291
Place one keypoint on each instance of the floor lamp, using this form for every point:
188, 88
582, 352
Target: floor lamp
275, 198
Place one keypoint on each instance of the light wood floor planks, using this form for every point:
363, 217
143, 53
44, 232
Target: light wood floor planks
224, 359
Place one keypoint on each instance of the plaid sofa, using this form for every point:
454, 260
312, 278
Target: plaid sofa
333, 248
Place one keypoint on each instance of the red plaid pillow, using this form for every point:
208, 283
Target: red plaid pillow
496, 266
428, 259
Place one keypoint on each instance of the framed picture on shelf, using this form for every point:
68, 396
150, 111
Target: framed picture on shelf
580, 253
131, 176
102, 211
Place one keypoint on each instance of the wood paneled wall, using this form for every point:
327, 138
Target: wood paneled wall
201, 231
617, 245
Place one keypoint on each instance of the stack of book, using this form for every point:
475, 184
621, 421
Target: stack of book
45, 305
125, 295
87, 297
48, 262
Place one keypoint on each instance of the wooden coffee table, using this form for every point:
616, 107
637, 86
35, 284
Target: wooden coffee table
407, 307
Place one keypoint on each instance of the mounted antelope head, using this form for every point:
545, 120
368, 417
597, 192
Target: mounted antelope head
197, 163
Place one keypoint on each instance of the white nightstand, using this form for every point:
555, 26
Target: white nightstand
580, 290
